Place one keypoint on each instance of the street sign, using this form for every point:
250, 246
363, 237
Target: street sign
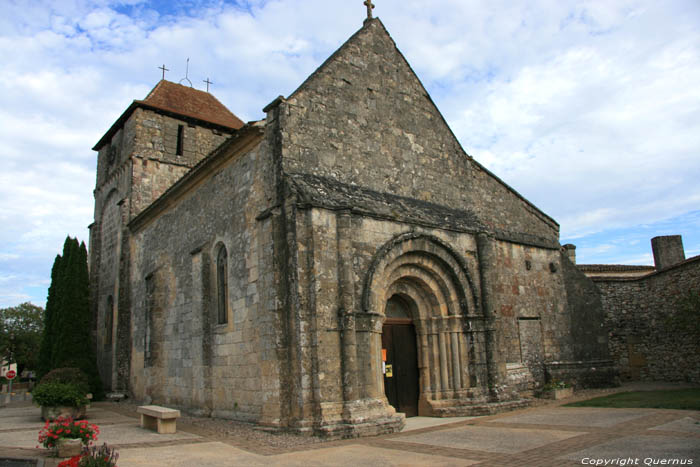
11, 374
6, 368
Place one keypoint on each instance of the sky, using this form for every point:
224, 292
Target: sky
590, 108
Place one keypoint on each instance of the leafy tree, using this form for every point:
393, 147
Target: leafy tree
21, 328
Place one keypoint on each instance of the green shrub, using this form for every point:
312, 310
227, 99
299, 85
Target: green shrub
59, 394
72, 376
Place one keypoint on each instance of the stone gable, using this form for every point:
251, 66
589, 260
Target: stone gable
364, 118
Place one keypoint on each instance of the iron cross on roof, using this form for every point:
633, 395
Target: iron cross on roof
370, 7
164, 69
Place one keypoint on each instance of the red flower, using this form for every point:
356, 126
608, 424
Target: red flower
72, 462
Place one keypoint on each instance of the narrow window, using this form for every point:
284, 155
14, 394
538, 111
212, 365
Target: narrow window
148, 321
222, 284
109, 320
180, 135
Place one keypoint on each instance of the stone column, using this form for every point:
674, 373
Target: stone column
346, 313
456, 376
487, 260
424, 364
435, 359
370, 354
444, 380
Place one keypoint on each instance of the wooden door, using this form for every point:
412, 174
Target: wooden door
401, 382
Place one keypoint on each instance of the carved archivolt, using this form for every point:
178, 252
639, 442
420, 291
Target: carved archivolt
428, 268
435, 284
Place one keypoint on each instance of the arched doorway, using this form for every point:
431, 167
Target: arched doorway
420, 282
401, 362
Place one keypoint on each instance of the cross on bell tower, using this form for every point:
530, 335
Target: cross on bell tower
370, 7
164, 70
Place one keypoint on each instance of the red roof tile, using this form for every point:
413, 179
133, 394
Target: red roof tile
179, 100
190, 102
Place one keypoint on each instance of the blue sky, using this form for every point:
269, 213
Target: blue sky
589, 108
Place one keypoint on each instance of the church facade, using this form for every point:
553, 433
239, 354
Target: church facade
333, 268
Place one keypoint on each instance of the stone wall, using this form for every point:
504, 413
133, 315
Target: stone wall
150, 139
181, 355
530, 305
106, 240
156, 165
137, 166
644, 339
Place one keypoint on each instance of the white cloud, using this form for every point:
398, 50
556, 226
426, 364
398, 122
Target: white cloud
590, 109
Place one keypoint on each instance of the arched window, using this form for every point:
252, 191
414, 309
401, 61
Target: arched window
222, 285
109, 320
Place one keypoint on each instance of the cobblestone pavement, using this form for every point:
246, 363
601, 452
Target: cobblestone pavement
544, 435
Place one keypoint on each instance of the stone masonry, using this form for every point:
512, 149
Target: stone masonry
250, 274
645, 338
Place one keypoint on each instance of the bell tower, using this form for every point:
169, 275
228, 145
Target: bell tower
150, 146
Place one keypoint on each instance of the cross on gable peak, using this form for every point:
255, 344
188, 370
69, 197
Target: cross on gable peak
370, 7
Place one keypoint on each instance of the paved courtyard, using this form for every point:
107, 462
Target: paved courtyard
548, 435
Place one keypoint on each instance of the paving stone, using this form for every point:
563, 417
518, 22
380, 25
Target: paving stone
687, 424
418, 423
485, 441
30, 417
217, 454
577, 416
484, 438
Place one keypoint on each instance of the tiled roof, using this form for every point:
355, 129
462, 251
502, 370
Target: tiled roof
613, 268
182, 101
190, 102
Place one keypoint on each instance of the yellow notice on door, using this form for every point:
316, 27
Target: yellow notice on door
389, 371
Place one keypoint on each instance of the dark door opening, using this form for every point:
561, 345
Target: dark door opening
401, 370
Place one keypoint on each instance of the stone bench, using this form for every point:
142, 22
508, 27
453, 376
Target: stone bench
161, 419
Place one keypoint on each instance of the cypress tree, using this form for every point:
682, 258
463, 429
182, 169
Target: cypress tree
45, 363
70, 341
63, 314
89, 364
65, 352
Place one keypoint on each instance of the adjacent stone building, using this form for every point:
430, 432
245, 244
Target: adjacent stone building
331, 268
652, 313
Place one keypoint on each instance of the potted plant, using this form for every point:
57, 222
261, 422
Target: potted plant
556, 390
67, 436
63, 392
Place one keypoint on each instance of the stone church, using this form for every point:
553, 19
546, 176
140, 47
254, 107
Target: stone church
331, 269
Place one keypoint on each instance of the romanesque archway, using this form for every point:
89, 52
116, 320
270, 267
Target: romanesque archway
433, 281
